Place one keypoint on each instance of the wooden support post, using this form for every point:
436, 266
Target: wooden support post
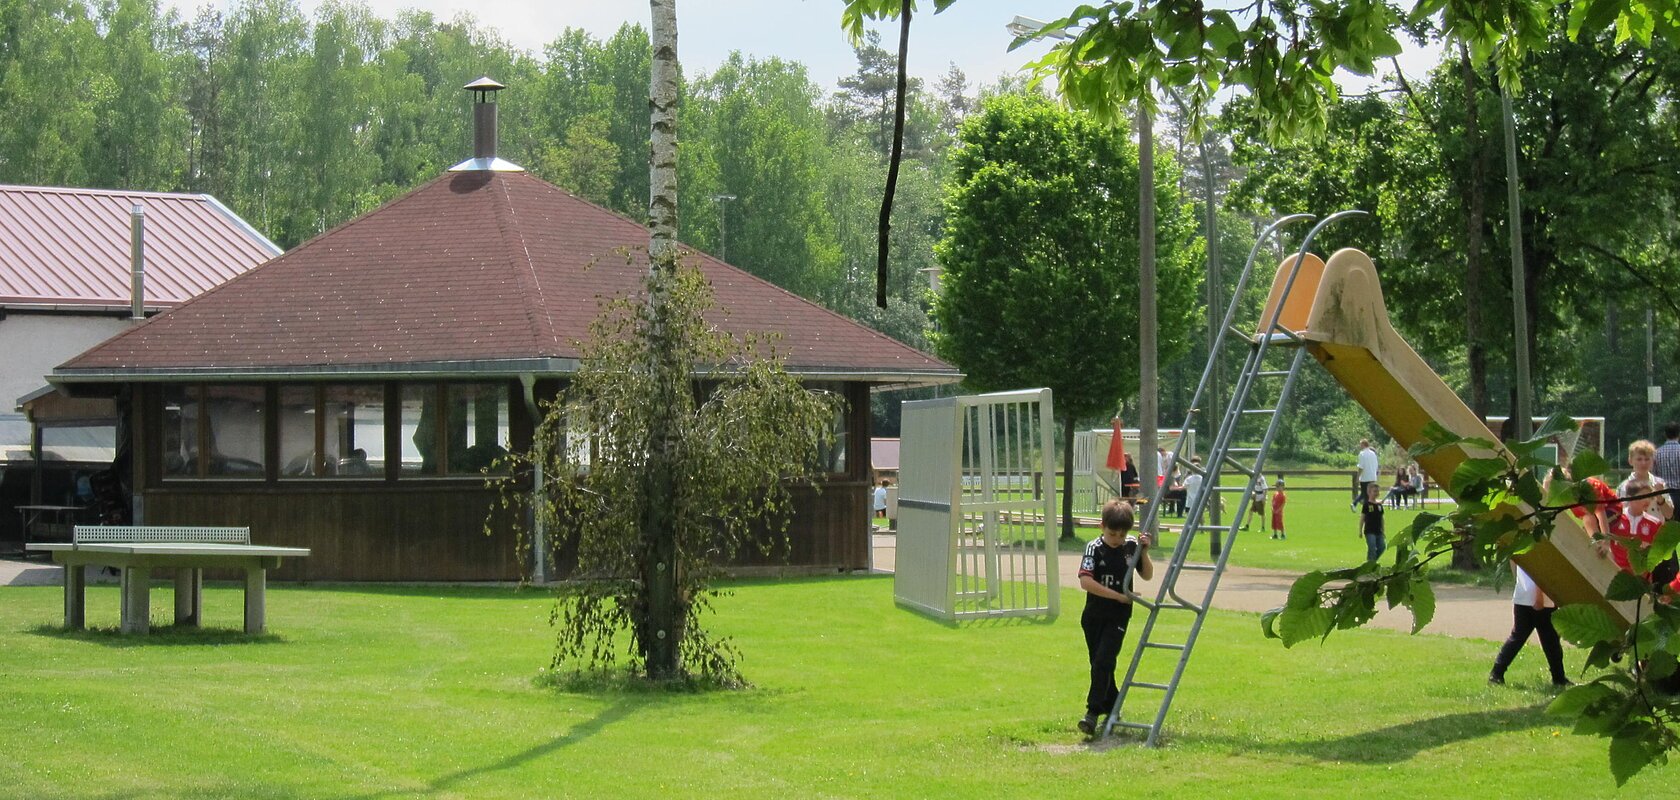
136, 600
75, 596
189, 596
256, 582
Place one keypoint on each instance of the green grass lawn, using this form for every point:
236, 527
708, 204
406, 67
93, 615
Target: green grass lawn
428, 692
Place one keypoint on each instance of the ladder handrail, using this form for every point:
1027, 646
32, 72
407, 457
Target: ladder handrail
1150, 512
1218, 453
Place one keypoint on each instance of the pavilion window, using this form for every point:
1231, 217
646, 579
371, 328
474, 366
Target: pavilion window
332, 431
213, 431
477, 433
833, 457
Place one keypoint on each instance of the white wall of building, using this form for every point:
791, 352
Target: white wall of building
32, 344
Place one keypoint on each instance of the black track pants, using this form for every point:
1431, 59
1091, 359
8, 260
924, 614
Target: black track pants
1105, 632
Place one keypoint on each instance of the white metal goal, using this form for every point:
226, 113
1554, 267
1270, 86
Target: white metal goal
976, 507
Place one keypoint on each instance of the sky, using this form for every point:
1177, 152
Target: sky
970, 33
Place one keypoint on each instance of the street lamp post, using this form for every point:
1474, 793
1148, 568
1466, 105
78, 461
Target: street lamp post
723, 224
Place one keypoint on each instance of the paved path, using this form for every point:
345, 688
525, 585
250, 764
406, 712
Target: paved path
18, 572
1464, 611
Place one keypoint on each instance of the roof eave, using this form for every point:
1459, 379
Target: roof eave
492, 368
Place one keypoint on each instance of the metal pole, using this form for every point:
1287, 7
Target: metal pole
1212, 403
723, 224
137, 261
1650, 375
1519, 275
1148, 379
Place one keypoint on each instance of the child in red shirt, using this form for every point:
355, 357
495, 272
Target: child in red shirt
1635, 527
1277, 511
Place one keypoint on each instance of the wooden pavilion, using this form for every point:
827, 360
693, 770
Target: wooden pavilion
344, 396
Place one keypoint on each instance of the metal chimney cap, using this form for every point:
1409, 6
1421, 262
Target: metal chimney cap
484, 84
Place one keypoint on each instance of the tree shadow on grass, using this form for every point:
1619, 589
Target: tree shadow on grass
623, 707
159, 636
1396, 743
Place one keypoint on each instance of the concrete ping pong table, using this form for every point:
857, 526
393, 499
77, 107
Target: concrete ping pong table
138, 549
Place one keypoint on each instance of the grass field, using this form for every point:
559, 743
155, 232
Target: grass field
427, 692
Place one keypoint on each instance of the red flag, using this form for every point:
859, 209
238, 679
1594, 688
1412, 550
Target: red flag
1117, 448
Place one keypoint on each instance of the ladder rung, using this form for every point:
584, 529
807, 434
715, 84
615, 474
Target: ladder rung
1241, 450
1161, 686
1163, 646
1259, 411
1142, 726
1199, 567
1272, 373
1240, 467
1230, 488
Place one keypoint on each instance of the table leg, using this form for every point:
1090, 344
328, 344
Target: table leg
256, 583
75, 596
189, 596
137, 600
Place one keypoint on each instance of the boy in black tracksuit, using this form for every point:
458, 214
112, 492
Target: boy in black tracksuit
1108, 609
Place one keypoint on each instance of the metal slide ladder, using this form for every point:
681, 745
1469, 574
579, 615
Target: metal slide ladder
1286, 356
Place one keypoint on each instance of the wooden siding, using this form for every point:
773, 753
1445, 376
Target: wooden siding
380, 534
390, 530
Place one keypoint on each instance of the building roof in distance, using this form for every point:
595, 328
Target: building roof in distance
71, 247
475, 272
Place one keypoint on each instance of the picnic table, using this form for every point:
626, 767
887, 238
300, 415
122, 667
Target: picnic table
137, 550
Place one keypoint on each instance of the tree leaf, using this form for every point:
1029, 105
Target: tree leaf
1304, 592
1631, 750
1268, 623
1626, 586
1300, 624
1572, 701
1587, 464
1555, 424
1475, 470
1422, 603
1585, 625
1665, 543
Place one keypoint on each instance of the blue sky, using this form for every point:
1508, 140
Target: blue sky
970, 33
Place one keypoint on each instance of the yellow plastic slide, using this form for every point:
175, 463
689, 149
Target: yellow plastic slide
1338, 310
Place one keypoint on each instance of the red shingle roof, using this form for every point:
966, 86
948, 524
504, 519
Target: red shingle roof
480, 267
71, 246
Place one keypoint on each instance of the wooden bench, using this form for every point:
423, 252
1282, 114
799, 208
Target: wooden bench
138, 549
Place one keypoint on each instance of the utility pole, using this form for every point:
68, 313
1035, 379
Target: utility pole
723, 224
1149, 381
1653, 392
1211, 400
1522, 411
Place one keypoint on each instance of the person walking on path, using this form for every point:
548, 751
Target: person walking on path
1667, 466
1103, 574
1367, 471
1531, 612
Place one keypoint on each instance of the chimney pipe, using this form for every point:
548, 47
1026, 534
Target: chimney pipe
485, 130
137, 261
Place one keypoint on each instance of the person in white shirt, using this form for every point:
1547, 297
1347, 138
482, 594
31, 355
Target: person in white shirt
1642, 456
1257, 501
1367, 472
1532, 611
1192, 483
881, 499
